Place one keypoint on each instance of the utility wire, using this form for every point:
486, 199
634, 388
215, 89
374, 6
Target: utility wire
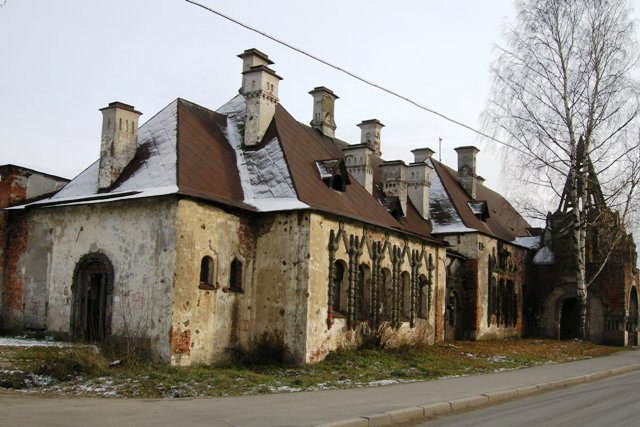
349, 73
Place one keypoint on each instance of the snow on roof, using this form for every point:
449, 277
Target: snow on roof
264, 174
444, 218
529, 242
544, 256
155, 174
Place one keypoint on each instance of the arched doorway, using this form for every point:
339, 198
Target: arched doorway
92, 298
454, 317
632, 325
569, 319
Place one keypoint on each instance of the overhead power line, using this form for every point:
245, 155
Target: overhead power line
349, 73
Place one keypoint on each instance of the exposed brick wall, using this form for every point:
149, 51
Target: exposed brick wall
17, 234
14, 188
13, 236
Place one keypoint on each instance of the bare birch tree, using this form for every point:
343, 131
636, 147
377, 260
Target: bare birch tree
565, 89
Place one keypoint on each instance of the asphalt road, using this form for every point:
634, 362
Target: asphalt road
611, 402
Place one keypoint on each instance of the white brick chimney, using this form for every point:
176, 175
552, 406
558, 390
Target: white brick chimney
370, 134
467, 169
324, 111
260, 90
118, 142
419, 180
422, 154
394, 181
358, 160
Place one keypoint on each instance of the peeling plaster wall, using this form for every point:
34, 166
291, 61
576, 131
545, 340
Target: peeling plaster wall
137, 237
206, 322
322, 339
282, 280
477, 248
273, 249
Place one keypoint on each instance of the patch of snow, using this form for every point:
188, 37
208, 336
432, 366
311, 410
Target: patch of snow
264, 175
497, 359
24, 342
112, 197
544, 256
382, 382
529, 242
440, 207
284, 389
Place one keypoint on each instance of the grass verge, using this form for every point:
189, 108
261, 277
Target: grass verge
83, 371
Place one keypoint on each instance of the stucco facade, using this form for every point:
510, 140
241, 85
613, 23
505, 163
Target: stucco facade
285, 283
138, 240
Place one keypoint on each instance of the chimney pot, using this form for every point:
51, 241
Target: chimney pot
419, 185
467, 169
118, 143
324, 111
260, 90
422, 154
370, 134
358, 160
394, 181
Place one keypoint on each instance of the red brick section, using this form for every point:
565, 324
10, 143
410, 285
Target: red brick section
13, 238
180, 341
14, 283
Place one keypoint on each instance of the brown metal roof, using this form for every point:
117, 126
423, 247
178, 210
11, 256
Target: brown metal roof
504, 222
206, 161
303, 146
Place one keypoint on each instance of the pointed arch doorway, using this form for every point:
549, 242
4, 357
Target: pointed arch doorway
92, 298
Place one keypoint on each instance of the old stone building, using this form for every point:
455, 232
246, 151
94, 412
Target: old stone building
487, 258
611, 274
202, 231
20, 301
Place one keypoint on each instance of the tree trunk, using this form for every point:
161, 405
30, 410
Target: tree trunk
581, 280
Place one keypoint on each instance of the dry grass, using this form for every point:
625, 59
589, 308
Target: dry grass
81, 371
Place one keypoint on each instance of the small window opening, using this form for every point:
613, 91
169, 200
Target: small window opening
334, 174
235, 276
206, 274
337, 183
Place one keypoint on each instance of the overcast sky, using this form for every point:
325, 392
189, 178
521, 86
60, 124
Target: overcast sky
61, 61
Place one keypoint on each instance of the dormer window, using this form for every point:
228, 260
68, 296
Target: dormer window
480, 209
393, 206
334, 174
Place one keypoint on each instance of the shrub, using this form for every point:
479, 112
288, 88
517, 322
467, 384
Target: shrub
73, 362
267, 349
381, 337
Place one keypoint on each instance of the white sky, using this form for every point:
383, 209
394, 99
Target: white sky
61, 61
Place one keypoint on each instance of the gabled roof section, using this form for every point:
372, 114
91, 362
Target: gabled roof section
303, 147
453, 211
206, 161
152, 172
191, 150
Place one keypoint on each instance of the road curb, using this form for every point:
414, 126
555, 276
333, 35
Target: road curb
416, 413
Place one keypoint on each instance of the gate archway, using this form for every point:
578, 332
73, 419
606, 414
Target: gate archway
569, 319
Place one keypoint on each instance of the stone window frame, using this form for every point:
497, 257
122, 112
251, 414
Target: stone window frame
236, 275
363, 296
340, 296
208, 272
404, 289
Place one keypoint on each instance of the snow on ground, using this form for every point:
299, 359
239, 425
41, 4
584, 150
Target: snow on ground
25, 342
